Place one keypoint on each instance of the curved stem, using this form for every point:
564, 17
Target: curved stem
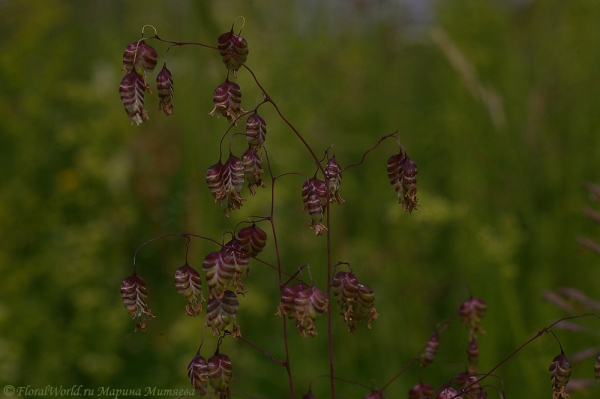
187, 235
369, 150
296, 132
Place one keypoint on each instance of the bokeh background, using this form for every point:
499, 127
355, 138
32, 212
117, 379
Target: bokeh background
495, 100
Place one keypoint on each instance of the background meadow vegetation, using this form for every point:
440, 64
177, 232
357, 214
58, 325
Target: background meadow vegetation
495, 100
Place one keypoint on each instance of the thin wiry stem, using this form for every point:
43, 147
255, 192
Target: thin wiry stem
279, 274
329, 332
369, 150
264, 352
187, 235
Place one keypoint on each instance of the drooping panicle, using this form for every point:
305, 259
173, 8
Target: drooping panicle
189, 284
233, 49
164, 86
228, 100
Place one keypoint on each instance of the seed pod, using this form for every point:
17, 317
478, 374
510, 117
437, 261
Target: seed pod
252, 239
214, 179
449, 393
597, 368
345, 288
232, 174
228, 100
164, 86
288, 296
471, 312
189, 284
309, 395
219, 374
134, 293
129, 56
334, 180
256, 131
132, 95
402, 172
409, 200
221, 311
220, 268
139, 56
473, 354
236, 175
317, 304
430, 349
364, 309
560, 371
239, 256
198, 374
252, 170
315, 210
308, 304
420, 391
374, 395
234, 50
395, 169
469, 383
319, 187
241, 261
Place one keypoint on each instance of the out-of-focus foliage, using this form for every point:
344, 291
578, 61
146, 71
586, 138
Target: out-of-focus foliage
495, 100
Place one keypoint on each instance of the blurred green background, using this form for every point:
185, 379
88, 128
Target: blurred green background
496, 101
